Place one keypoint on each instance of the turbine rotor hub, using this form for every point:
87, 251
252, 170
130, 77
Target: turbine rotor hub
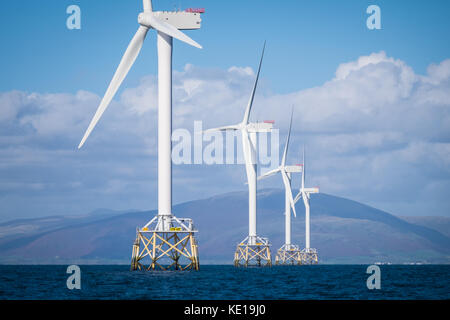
144, 19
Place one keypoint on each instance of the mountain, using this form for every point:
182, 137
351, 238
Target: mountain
441, 224
343, 231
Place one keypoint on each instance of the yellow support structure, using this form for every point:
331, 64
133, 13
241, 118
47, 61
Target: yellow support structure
165, 251
309, 256
257, 254
288, 255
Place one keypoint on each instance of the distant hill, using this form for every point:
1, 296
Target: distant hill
344, 231
441, 224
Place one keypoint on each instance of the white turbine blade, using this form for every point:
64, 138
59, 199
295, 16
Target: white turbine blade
224, 128
288, 190
247, 146
283, 160
147, 5
305, 199
252, 96
269, 173
171, 31
297, 197
127, 61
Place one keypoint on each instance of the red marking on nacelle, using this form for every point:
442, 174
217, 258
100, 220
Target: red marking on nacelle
300, 165
269, 121
195, 10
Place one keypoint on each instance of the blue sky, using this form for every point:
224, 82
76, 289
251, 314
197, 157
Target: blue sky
306, 40
373, 104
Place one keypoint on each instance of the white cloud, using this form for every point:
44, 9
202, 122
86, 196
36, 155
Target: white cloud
439, 73
143, 98
247, 71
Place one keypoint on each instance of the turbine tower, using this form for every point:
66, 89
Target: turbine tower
253, 249
309, 255
165, 238
288, 253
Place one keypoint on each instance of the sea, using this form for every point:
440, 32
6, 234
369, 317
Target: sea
226, 282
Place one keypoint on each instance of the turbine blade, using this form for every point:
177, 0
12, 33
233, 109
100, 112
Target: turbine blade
283, 160
250, 102
297, 197
287, 186
269, 173
248, 150
147, 5
305, 200
170, 30
246, 146
125, 64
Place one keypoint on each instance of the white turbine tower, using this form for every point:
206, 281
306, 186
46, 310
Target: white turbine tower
288, 253
253, 248
167, 227
309, 255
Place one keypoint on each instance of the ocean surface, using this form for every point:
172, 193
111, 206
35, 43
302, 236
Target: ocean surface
227, 282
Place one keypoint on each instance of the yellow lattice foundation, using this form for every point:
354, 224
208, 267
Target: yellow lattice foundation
309, 256
165, 251
174, 249
288, 254
256, 254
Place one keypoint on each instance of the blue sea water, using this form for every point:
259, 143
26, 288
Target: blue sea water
227, 282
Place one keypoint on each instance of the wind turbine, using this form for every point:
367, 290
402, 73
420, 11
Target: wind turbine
167, 25
288, 253
309, 255
252, 247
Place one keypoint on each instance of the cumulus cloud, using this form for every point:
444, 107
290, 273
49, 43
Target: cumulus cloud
377, 132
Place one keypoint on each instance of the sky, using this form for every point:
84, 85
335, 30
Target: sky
371, 106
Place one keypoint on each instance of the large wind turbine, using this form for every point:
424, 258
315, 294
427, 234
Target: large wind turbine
249, 130
166, 24
288, 252
309, 254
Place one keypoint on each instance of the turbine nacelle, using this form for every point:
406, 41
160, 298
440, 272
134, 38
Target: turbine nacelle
181, 20
293, 169
259, 127
310, 190
249, 127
